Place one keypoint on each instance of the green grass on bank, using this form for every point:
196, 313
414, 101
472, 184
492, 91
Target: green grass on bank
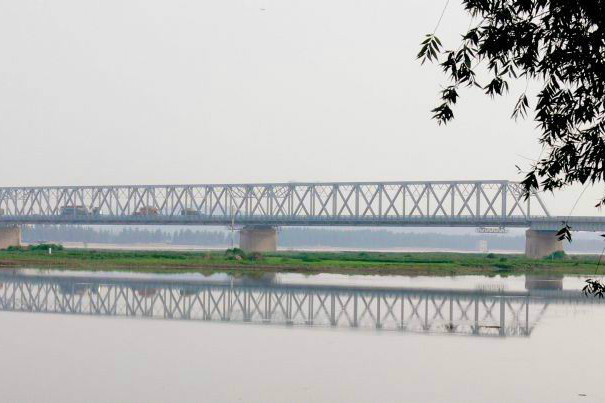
302, 262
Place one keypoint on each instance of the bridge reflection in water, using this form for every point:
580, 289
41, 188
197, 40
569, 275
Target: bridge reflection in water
427, 311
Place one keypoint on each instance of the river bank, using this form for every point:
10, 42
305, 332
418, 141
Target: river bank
369, 263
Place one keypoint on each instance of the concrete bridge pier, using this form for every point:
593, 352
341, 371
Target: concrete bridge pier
539, 244
10, 236
256, 238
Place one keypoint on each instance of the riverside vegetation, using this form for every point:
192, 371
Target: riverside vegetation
235, 260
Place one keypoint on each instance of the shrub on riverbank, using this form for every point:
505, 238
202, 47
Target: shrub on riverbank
46, 246
38, 247
236, 260
558, 255
235, 254
238, 254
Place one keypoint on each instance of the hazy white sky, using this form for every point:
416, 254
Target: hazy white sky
196, 91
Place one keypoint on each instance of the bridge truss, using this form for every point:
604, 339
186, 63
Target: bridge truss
470, 203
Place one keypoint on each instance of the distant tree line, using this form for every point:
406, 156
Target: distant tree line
384, 239
379, 239
127, 235
291, 238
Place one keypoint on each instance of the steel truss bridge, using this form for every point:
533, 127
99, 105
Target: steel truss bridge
460, 203
423, 311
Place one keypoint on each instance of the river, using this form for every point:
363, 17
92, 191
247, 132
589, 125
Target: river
108, 337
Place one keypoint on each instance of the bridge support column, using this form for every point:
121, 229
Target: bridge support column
10, 236
258, 239
539, 244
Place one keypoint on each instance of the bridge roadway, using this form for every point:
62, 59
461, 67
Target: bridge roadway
259, 208
266, 301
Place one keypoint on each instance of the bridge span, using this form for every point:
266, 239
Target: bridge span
257, 209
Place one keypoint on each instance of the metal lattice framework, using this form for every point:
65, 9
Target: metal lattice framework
471, 203
409, 310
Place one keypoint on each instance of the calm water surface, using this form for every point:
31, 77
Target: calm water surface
101, 337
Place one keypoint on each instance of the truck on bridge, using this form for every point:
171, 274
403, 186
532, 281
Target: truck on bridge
188, 211
147, 210
75, 210
71, 210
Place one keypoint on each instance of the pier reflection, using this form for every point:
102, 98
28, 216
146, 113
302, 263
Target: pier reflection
265, 301
552, 282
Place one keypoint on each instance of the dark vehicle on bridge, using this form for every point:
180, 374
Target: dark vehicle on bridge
80, 210
75, 210
190, 212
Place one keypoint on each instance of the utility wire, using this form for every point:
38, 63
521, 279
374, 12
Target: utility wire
577, 200
441, 16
